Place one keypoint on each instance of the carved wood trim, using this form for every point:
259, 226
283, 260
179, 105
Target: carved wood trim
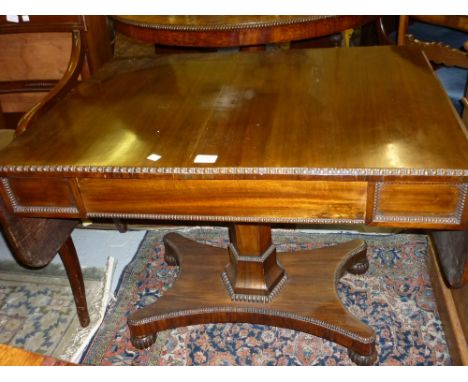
223, 27
265, 299
440, 53
456, 218
251, 310
214, 218
17, 208
304, 171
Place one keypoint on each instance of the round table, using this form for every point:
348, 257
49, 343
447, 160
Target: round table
232, 31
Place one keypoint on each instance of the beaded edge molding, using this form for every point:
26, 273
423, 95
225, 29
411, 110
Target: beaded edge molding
255, 298
307, 171
214, 218
249, 310
222, 27
34, 209
455, 219
266, 311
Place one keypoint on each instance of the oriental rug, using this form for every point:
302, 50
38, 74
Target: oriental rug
37, 309
394, 297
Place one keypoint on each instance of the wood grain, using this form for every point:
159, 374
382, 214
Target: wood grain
42, 192
451, 309
11, 356
232, 31
256, 121
308, 301
418, 199
251, 198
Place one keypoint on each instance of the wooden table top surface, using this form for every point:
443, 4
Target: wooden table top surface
11, 356
213, 22
233, 31
366, 109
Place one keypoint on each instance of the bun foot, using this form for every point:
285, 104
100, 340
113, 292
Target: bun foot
362, 360
170, 260
143, 342
359, 267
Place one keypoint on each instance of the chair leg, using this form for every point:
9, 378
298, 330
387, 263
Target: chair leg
120, 225
72, 266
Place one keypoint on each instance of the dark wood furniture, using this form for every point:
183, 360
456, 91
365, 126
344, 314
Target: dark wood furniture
46, 36
451, 247
247, 32
35, 242
303, 136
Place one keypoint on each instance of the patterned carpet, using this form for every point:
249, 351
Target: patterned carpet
37, 310
394, 297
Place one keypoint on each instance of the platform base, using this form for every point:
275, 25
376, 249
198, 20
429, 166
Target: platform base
308, 301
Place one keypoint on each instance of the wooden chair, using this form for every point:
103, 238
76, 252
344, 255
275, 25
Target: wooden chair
53, 89
440, 53
44, 36
20, 233
450, 51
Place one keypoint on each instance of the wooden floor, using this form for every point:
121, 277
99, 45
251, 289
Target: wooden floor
453, 310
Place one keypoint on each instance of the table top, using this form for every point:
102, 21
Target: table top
11, 356
233, 31
213, 22
357, 111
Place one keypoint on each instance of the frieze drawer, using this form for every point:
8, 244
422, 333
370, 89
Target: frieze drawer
226, 200
430, 203
41, 196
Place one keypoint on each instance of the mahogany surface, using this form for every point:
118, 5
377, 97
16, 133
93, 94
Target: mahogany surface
232, 31
250, 111
307, 302
360, 135
11, 356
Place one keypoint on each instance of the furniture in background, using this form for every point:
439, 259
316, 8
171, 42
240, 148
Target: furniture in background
246, 32
454, 30
217, 144
444, 41
44, 56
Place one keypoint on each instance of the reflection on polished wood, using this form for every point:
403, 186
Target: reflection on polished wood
336, 112
361, 135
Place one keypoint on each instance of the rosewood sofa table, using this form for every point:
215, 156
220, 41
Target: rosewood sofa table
330, 136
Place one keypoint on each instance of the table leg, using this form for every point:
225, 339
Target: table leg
34, 242
295, 290
72, 266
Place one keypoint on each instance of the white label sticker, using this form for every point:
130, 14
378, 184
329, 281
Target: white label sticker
154, 157
203, 158
25, 19
12, 18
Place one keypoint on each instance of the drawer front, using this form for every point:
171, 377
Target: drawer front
221, 200
40, 196
430, 203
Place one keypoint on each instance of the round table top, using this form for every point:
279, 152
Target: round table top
225, 31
